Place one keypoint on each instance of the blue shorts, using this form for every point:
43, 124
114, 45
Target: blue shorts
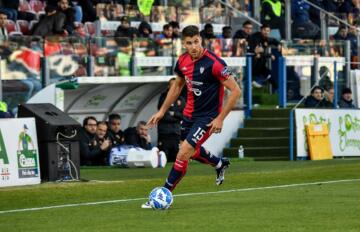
195, 131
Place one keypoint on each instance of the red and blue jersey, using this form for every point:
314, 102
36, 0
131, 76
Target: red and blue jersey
203, 78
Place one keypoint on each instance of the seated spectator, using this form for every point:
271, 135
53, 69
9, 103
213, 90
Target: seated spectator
226, 33
104, 142
346, 100
90, 150
66, 8
351, 8
138, 136
176, 29
88, 10
343, 34
124, 30
51, 24
316, 99
10, 8
304, 28
167, 32
116, 135
261, 45
245, 33
329, 95
207, 32
3, 30
145, 30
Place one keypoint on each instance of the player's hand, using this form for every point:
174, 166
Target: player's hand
154, 120
215, 126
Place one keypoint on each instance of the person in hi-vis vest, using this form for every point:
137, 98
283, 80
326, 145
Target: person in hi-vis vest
273, 13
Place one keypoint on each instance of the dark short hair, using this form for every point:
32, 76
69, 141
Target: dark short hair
86, 120
247, 22
174, 24
345, 91
102, 123
166, 27
190, 31
316, 88
265, 25
226, 28
114, 117
141, 123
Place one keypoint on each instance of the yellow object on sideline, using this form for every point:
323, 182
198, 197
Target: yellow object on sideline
319, 141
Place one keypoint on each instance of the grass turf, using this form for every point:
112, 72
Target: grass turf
323, 207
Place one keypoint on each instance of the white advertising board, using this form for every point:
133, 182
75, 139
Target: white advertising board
344, 129
19, 153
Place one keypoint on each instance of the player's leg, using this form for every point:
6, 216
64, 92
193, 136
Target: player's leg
180, 166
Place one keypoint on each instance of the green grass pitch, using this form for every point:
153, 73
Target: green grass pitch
320, 207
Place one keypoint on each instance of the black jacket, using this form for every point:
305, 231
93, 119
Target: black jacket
69, 19
132, 138
116, 138
346, 104
311, 102
169, 125
50, 25
90, 152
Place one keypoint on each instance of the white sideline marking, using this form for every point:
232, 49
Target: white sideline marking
177, 195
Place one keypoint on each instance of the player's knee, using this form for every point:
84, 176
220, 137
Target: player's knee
185, 152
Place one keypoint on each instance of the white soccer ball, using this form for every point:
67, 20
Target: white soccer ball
160, 198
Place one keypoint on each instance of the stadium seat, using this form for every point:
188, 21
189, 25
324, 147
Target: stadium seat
10, 26
37, 6
23, 26
90, 28
32, 24
25, 6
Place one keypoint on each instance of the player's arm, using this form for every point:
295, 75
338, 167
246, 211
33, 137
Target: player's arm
235, 92
171, 97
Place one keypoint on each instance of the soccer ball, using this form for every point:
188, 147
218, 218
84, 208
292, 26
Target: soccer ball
160, 198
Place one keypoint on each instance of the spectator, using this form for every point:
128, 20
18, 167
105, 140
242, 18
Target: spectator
226, 32
51, 24
304, 28
69, 12
169, 125
316, 99
329, 95
124, 30
273, 13
261, 45
351, 9
176, 29
104, 143
138, 136
244, 33
167, 32
207, 32
325, 82
343, 34
145, 30
90, 150
10, 8
88, 10
115, 133
346, 100
3, 30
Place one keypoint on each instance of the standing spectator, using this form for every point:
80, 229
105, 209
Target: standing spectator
273, 13
316, 99
69, 12
51, 24
169, 125
115, 133
10, 8
88, 10
3, 30
104, 143
304, 28
90, 150
138, 136
346, 100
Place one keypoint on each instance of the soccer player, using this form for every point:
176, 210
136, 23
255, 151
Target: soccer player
205, 76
